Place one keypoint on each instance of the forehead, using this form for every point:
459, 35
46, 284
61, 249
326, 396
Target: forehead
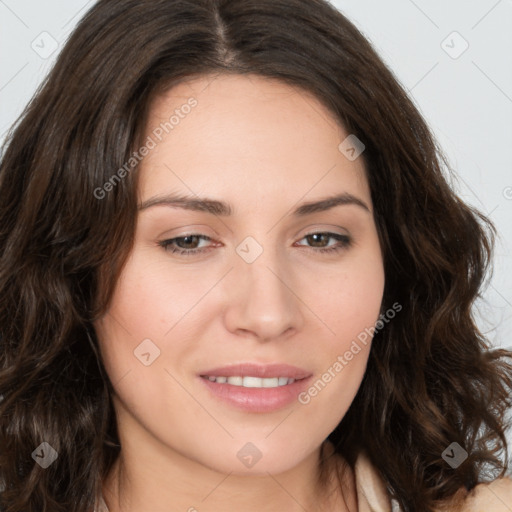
246, 135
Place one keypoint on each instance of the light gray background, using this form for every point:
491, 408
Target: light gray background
464, 94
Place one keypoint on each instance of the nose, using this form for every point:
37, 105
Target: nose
263, 299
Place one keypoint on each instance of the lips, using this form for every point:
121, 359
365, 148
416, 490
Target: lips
254, 387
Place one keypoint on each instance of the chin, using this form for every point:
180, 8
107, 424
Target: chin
258, 458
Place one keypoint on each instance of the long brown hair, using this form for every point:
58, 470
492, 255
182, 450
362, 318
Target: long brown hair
431, 378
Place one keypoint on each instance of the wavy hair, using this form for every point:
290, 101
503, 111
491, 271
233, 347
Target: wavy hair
432, 378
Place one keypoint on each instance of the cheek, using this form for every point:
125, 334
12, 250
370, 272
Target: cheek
151, 307
348, 300
134, 317
149, 299
350, 305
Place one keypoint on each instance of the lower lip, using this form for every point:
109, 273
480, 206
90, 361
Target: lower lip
257, 399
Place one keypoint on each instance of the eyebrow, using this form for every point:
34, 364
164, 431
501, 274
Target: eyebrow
224, 209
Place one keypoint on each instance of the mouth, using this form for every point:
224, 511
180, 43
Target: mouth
255, 387
251, 381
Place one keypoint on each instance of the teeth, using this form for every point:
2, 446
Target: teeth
253, 382
268, 383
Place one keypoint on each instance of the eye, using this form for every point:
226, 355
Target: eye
185, 245
319, 241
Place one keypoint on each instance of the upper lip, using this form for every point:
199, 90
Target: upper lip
257, 370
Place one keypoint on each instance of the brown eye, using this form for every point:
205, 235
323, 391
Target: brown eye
185, 245
185, 242
320, 241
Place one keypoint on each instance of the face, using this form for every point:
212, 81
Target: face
229, 334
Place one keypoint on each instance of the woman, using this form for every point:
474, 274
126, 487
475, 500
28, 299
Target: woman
233, 276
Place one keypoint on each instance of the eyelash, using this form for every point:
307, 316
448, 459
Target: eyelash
344, 242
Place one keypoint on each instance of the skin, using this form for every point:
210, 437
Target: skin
265, 148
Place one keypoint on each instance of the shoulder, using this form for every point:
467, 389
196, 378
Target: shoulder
495, 496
